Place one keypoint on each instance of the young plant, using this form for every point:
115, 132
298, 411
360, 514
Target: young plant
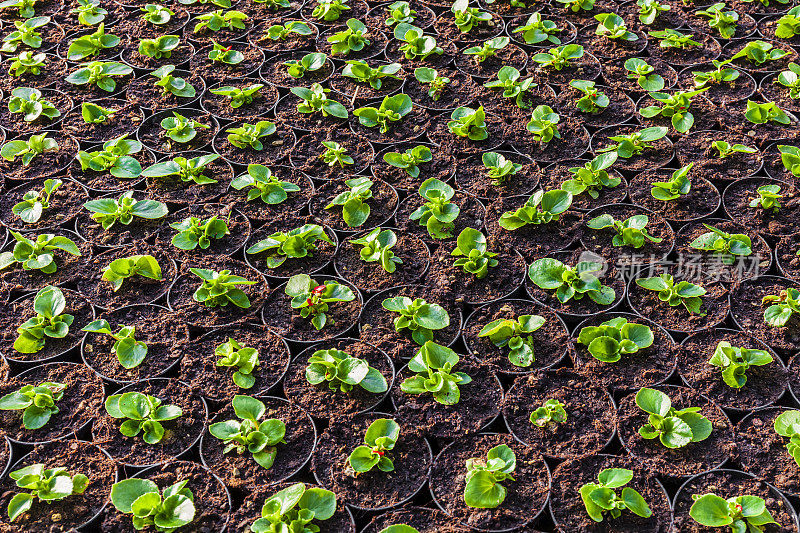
181, 129
25, 8
156, 14
34, 202
675, 294
467, 17
410, 159
108, 211
787, 424
160, 47
377, 248
629, 232
130, 352
45, 484
670, 38
143, 414
392, 109
355, 210
674, 428
295, 507
433, 365
790, 157
791, 80
636, 143
35, 146
787, 303
418, 316
37, 253
592, 177
734, 361
468, 123
278, 32
165, 511
249, 135
114, 158
739, 513
768, 198
612, 26
37, 403
571, 283
544, 124
381, 437
263, 184
759, 52
550, 411
416, 45
362, 72
27, 62
473, 257
483, 489
296, 243
538, 30
126, 267
725, 149
243, 358
398, 12
599, 498
170, 84
315, 100
765, 113
329, 10
725, 246
185, 170
99, 73
313, 299
91, 45
577, 5
430, 77
641, 71
508, 79
560, 57
194, 232
250, 433
218, 289
720, 19
25, 34
438, 213
500, 169
352, 39
29, 102
613, 338
224, 54
649, 10
334, 154
95, 114
789, 24
674, 107
516, 334
220, 20
488, 49
344, 372
678, 186
297, 68
238, 97
593, 100
541, 208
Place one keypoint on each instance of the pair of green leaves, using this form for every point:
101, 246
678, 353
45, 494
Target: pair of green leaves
296, 243
734, 361
243, 358
473, 255
37, 403
264, 184
381, 437
142, 413
540, 208
377, 247
258, 437
353, 202
126, 267
45, 484
675, 294
571, 282
516, 334
130, 352
599, 498
344, 372
218, 289
675, 428
629, 232
165, 511
418, 316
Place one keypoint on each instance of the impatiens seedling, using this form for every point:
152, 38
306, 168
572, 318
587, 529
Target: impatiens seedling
315, 100
593, 100
297, 68
245, 359
649, 10
560, 57
108, 211
362, 72
790, 157
613, 338
392, 109
45, 484
785, 305
126, 267
90, 45
739, 513
35, 146
335, 154
433, 365
430, 77
789, 24
733, 362
381, 437
343, 372
218, 289
34, 202
238, 97
768, 112
418, 316
538, 30
571, 282
670, 38
186, 170
550, 411
543, 124
142, 413
295, 507
721, 19
263, 184
636, 143
629, 232
250, 433
768, 198
95, 114
508, 79
27, 62
437, 213
25, 8
472, 253
674, 428
313, 299
49, 304
115, 158
599, 498
678, 186
156, 14
541, 208
194, 232
675, 294
720, 74
99, 73
220, 20
170, 84
29, 102
641, 71
725, 149
515, 333
37, 253
787, 424
296, 243
181, 129
398, 12
577, 5
613, 26
592, 177
377, 248
25, 34
250, 135
469, 123
224, 54
165, 511
467, 17
329, 10
500, 169
160, 47
483, 489
725, 246
416, 45
278, 32
488, 49
352, 39
355, 210
130, 352
410, 159
37, 403
674, 107
791, 80
759, 52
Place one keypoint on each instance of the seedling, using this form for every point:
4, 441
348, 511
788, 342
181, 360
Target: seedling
613, 26
670, 38
143, 414
416, 45
170, 84
315, 100
25, 34
791, 80
25, 8
577, 5
593, 100
636, 143
649, 10
297, 68
329, 10
550, 411
194, 232
29, 102
45, 484
433, 365
264, 184
790, 157
674, 107
787, 424
165, 511
509, 332
156, 14
243, 358
467, 17
250, 135
571, 282
355, 210
540, 208
508, 79
224, 54
720, 19
483, 489
720, 74
392, 109
130, 352
675, 294
641, 71
674, 428
343, 372
274, 5
181, 129
437, 213
759, 52
734, 362
375, 77
544, 124
614, 338
353, 39
538, 30
398, 12
599, 498
220, 20
412, 158
768, 112
35, 146
678, 186
629, 232
115, 158
488, 49
91, 45
108, 211
238, 97
436, 83
250, 433
34, 202
126, 267
739, 513
335, 154
768, 198
377, 248
786, 304
592, 177
789, 24
218, 289
185, 170
37, 403
472, 253
468, 123
296, 243
418, 316
399, 528
95, 114
99, 73
295, 506
313, 299
725, 149
380, 438
725, 246
500, 169
27, 62
278, 32
37, 253
160, 47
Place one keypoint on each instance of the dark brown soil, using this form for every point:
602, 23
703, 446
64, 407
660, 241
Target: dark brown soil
306, 155
769, 66
461, 91
51, 74
103, 181
772, 161
43, 165
445, 28
702, 200
604, 48
284, 213
422, 519
696, 147
275, 150
258, 36
584, 68
448, 142
412, 126
179, 57
557, 173
772, 91
720, 93
573, 143
173, 189
277, 73
748, 311
144, 92
511, 54
124, 121
501, 281
119, 234
472, 177
359, 93
238, 226
600, 241
738, 195
219, 71
745, 27
286, 111
440, 167
65, 203
708, 50
762, 452
620, 108
152, 135
383, 205
220, 107
786, 256
615, 75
